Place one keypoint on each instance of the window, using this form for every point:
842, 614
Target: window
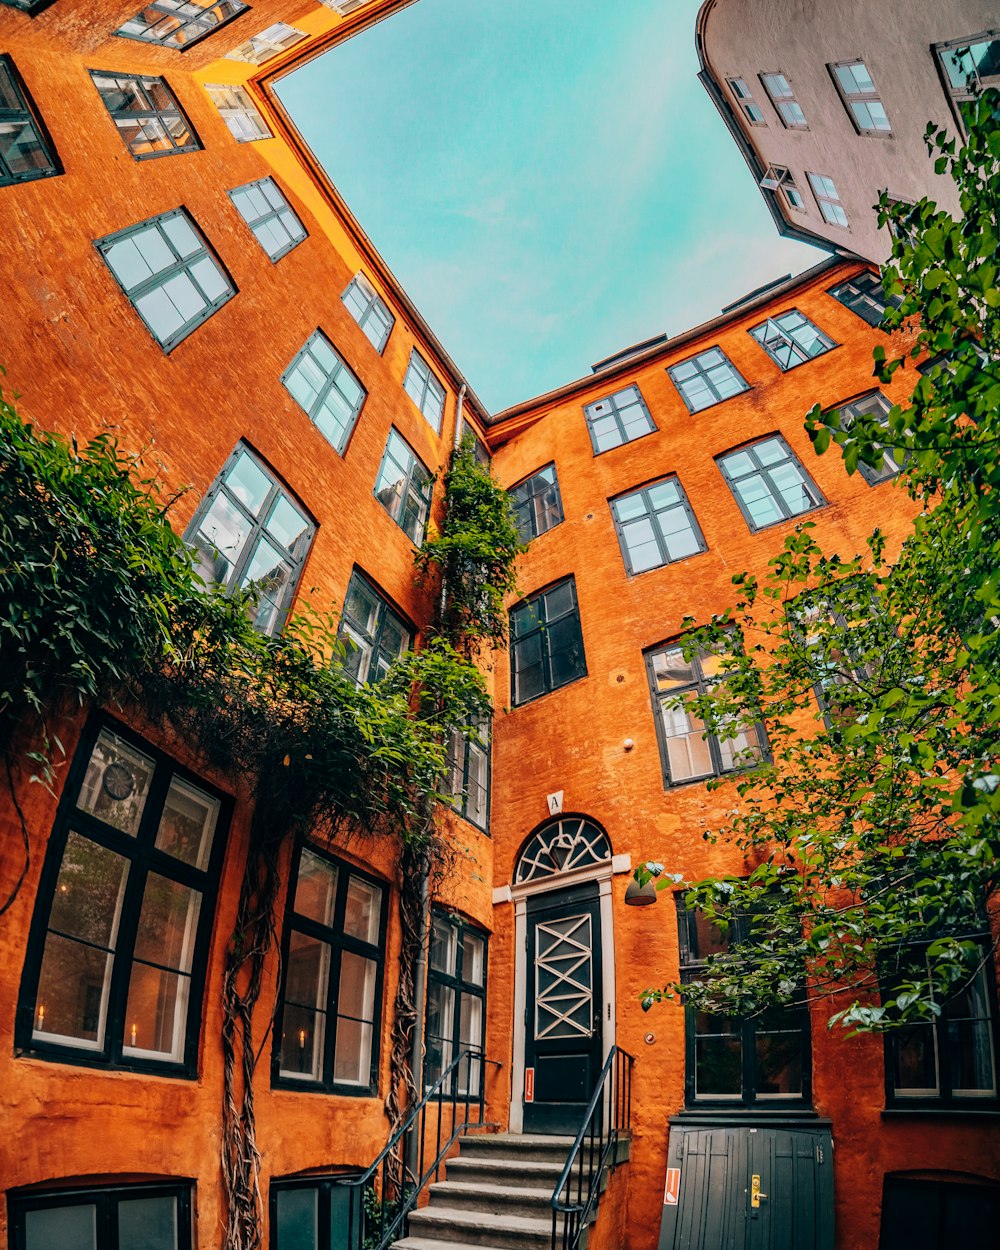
546, 643
128, 1217
180, 23
315, 1213
31, 7
404, 488
939, 1211
116, 960
860, 98
779, 178
706, 379
656, 526
842, 661
325, 389
25, 150
620, 418
686, 751
269, 216
238, 112
759, 1062
424, 389
469, 776
768, 483
950, 1060
536, 503
147, 114
864, 294
479, 448
825, 191
270, 42
327, 1034
249, 533
456, 1001
875, 405
969, 66
378, 634
370, 311
744, 98
791, 339
783, 98
172, 278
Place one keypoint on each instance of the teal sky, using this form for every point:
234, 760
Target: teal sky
547, 178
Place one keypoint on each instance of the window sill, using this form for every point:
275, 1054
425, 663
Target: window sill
333, 1091
991, 1112
735, 1116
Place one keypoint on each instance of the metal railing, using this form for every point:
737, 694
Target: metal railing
381, 1199
607, 1120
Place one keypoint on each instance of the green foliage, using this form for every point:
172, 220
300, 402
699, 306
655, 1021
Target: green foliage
474, 555
871, 836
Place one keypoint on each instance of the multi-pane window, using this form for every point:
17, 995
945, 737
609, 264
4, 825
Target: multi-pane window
864, 294
127, 1217
779, 178
315, 1213
25, 153
456, 1002
269, 215
369, 310
250, 534
688, 752
706, 379
970, 65
875, 405
828, 199
404, 487
116, 961
146, 112
171, 276
479, 448
656, 526
536, 503
860, 97
180, 23
546, 643
761, 1061
331, 996
768, 482
783, 98
267, 43
377, 633
618, 419
843, 656
791, 339
325, 389
238, 112
744, 98
469, 775
424, 389
939, 1211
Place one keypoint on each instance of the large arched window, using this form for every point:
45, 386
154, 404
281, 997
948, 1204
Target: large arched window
566, 844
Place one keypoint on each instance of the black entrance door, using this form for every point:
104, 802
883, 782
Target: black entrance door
562, 1019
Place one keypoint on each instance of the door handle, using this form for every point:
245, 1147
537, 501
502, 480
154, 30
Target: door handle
755, 1194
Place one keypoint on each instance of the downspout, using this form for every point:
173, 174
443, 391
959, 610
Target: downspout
420, 971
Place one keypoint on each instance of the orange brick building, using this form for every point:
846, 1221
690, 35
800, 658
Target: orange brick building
179, 269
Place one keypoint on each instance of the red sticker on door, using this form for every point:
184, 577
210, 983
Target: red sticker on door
672, 1189
529, 1084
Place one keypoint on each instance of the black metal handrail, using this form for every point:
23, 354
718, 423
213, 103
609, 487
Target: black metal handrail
607, 1119
381, 1198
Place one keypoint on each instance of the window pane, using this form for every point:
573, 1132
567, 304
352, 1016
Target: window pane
303, 1039
297, 1219
116, 783
363, 911
62, 1228
357, 986
157, 1012
167, 923
473, 962
307, 973
72, 993
352, 1063
779, 1063
718, 1061
316, 888
444, 946
687, 750
249, 483
89, 892
187, 825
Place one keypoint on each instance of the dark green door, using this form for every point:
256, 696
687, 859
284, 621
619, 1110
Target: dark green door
748, 1188
562, 1047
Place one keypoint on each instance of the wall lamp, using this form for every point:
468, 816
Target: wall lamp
642, 889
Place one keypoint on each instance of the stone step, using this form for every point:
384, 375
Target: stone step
486, 1169
501, 1232
497, 1199
534, 1146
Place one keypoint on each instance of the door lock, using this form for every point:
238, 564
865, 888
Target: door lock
755, 1194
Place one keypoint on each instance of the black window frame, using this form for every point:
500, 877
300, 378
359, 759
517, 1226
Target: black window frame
616, 409
459, 986
541, 627
326, 1185
373, 641
774, 491
237, 7
315, 408
141, 83
105, 1198
373, 303
865, 296
270, 215
430, 384
651, 512
143, 859
277, 491
339, 942
26, 115
417, 488
523, 497
749, 1100
702, 372
461, 750
701, 685
232, 100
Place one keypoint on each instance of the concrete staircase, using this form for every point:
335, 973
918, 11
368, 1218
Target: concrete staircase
496, 1195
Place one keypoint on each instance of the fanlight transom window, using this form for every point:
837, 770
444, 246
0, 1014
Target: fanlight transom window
566, 844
